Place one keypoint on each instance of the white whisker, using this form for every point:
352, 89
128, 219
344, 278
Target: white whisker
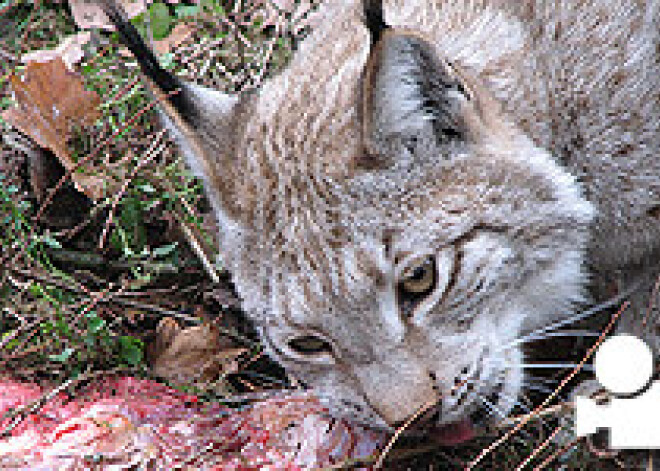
492, 410
503, 362
570, 320
538, 387
532, 366
542, 379
561, 333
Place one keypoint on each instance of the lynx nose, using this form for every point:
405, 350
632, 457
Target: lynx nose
396, 389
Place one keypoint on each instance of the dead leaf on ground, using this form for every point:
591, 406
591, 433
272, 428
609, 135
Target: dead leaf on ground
89, 14
70, 50
50, 102
194, 355
179, 34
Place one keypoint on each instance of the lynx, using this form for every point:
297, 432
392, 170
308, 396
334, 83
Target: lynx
427, 183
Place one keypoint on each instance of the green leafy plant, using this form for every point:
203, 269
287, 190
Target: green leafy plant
131, 350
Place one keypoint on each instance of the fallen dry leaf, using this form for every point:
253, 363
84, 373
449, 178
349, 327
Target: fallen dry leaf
193, 355
180, 33
50, 102
89, 14
70, 50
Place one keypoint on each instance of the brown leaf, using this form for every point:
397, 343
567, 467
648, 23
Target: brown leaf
180, 33
89, 14
70, 50
133, 316
51, 101
191, 355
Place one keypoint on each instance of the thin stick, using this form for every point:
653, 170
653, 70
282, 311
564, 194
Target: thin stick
539, 448
556, 455
554, 394
191, 236
92, 154
400, 430
20, 413
155, 149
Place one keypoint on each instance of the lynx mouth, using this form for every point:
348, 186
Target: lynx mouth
453, 433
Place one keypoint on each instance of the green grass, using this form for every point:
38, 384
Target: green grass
69, 335
65, 294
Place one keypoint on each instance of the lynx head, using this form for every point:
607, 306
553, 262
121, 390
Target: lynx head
390, 230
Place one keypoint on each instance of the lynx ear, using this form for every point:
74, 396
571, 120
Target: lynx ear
409, 94
374, 19
202, 120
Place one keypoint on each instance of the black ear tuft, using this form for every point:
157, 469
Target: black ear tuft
167, 83
374, 19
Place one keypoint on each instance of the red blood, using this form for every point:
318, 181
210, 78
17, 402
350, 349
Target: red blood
129, 420
454, 433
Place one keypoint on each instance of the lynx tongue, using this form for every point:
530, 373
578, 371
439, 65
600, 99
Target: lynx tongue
454, 433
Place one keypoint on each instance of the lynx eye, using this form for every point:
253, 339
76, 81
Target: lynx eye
309, 345
420, 279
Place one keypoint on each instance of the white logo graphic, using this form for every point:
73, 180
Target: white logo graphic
624, 365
